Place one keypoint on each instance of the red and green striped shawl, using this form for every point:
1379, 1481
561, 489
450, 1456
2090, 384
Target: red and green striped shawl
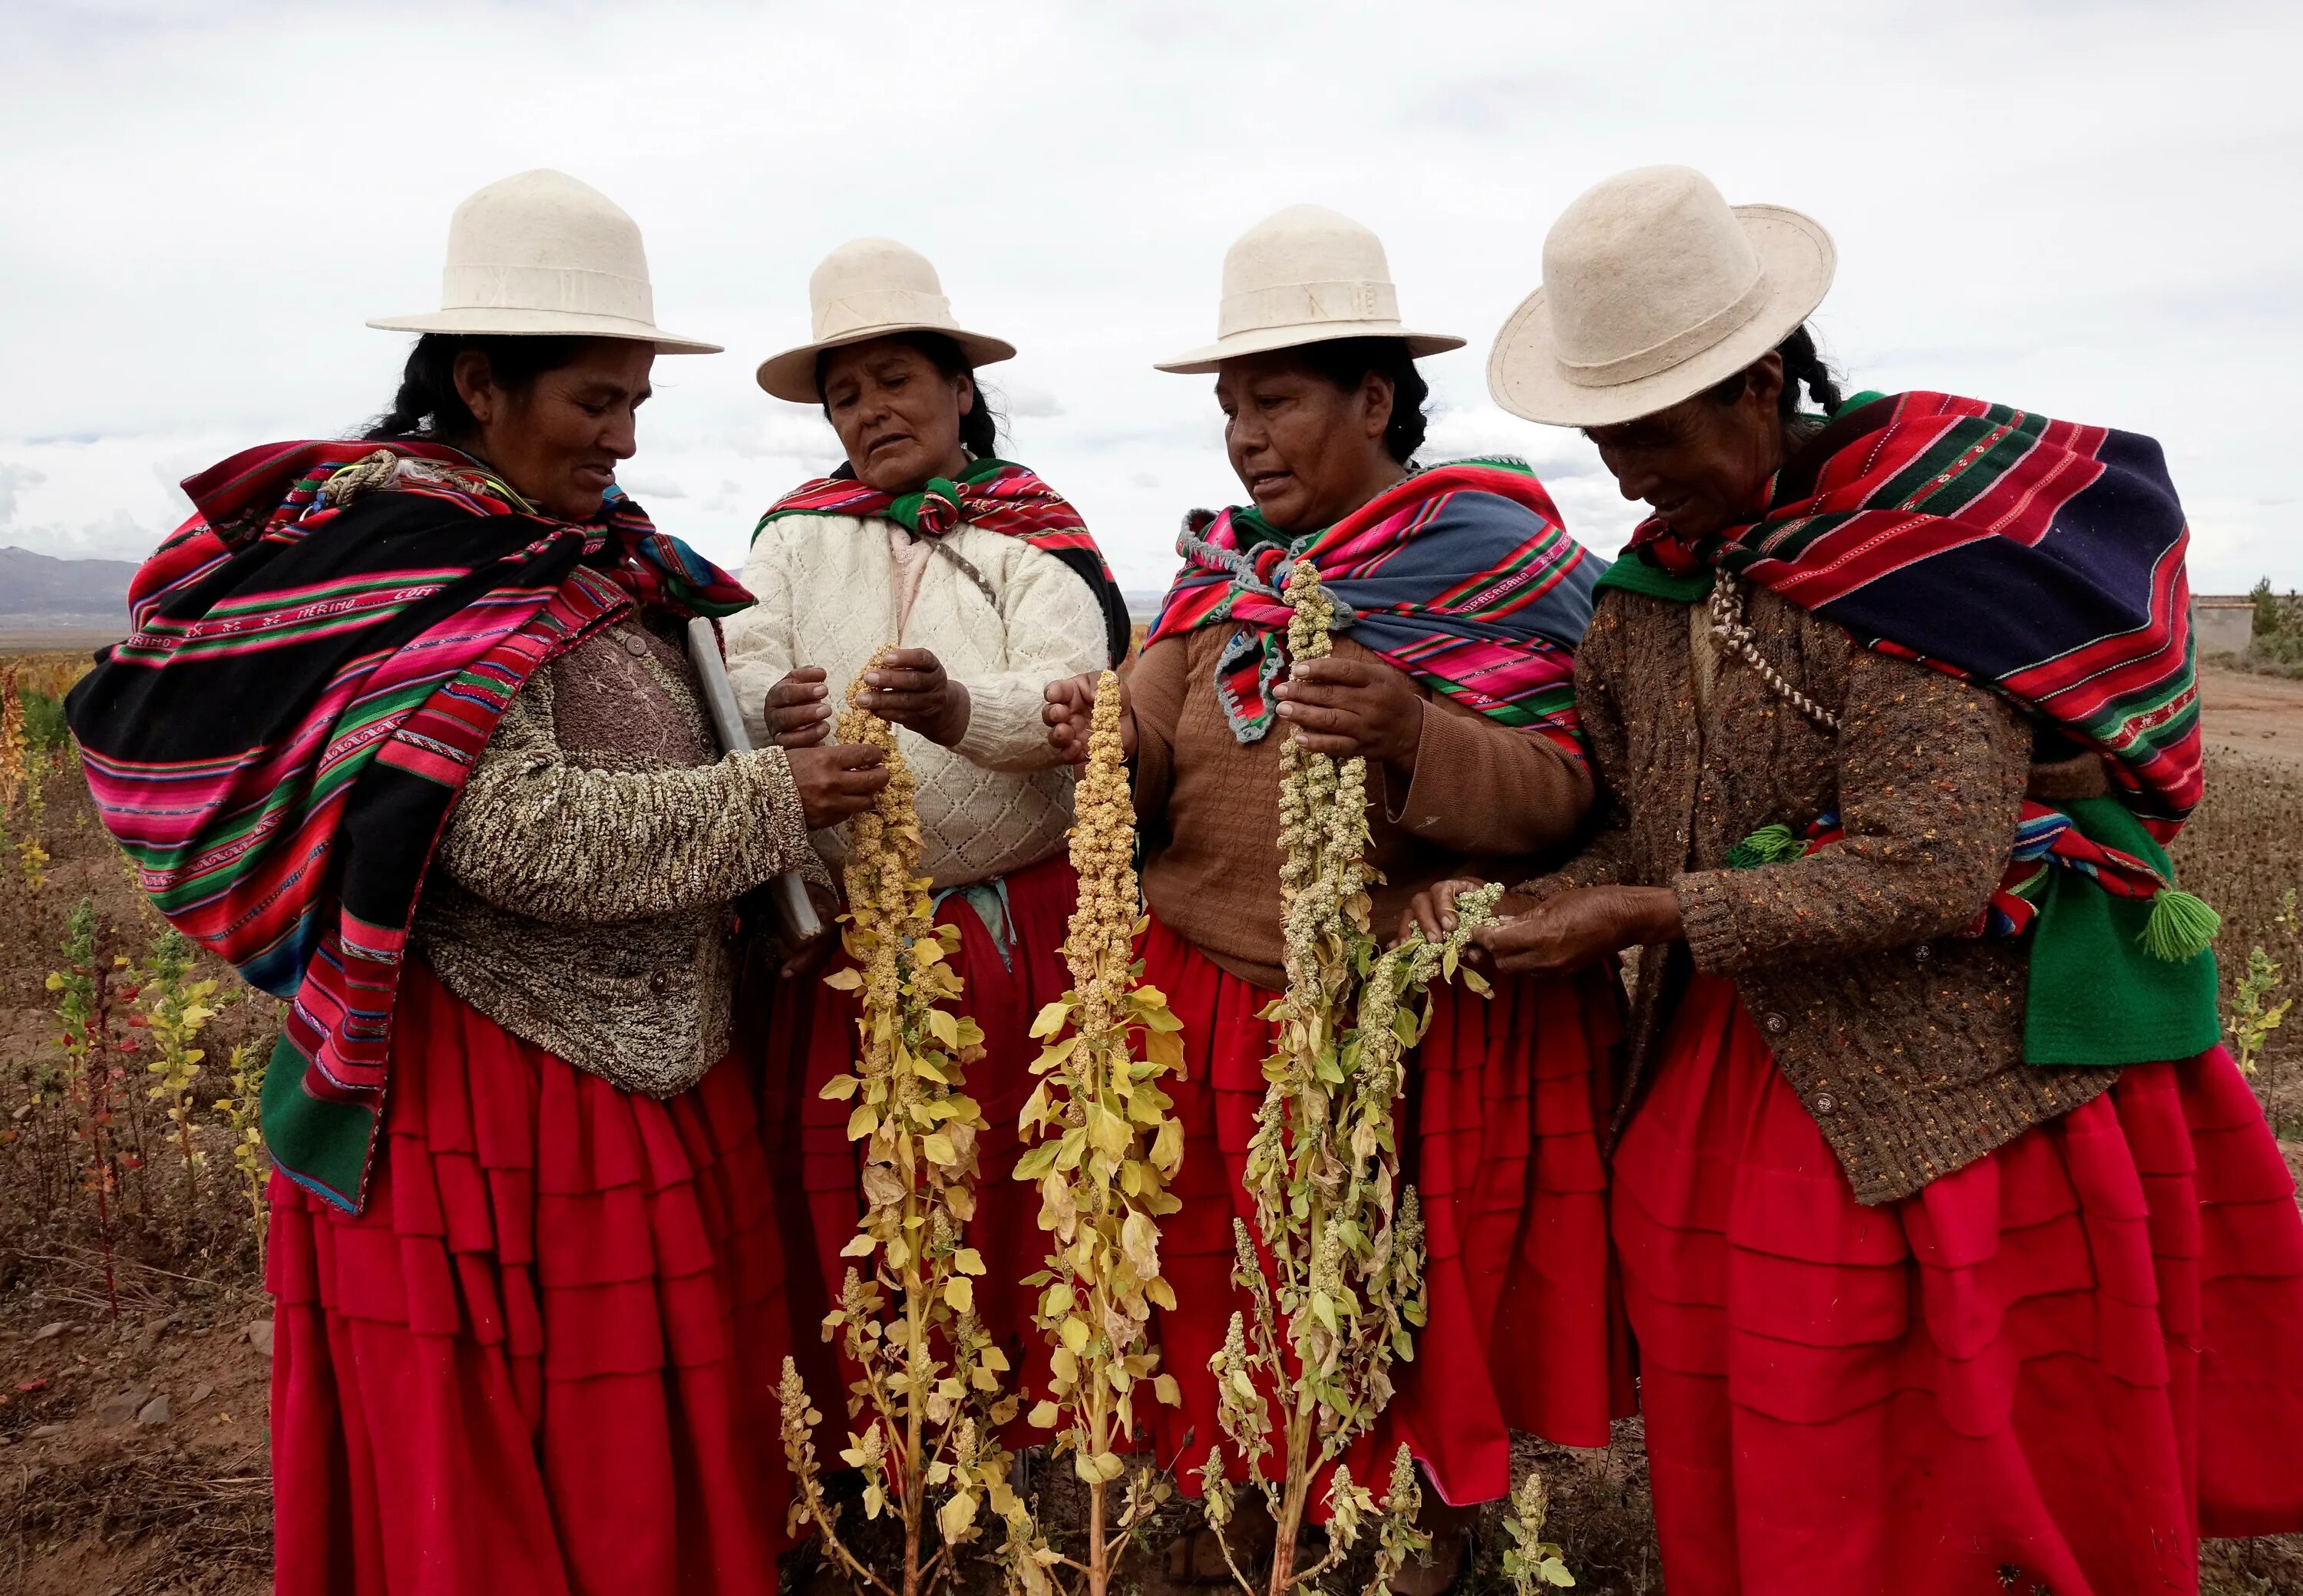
1462, 576
317, 659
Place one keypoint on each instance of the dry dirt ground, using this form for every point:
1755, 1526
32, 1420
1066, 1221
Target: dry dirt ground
132, 1455
2258, 716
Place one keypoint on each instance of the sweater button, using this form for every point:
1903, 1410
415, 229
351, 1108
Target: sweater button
659, 983
635, 645
1923, 952
1775, 1024
1825, 1103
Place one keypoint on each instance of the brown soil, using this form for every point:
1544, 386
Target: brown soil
2258, 716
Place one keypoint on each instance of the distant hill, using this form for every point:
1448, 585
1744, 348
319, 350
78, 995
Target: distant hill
41, 592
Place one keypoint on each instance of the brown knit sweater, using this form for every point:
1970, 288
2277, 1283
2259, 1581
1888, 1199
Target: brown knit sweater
1485, 797
583, 895
1904, 1039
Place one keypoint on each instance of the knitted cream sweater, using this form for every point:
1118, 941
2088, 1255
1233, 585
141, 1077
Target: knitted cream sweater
831, 591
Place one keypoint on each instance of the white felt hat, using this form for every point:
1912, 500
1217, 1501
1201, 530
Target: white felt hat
543, 253
1306, 276
1654, 288
868, 289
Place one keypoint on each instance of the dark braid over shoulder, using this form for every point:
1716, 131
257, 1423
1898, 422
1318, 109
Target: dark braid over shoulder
1346, 362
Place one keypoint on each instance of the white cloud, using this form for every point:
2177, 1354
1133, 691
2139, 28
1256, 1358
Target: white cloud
2071, 208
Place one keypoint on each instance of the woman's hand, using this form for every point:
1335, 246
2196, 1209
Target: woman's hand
836, 781
796, 714
909, 687
1433, 910
1070, 715
1345, 708
1580, 927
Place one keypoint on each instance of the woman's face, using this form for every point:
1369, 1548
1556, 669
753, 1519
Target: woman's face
1701, 466
557, 441
897, 415
1308, 452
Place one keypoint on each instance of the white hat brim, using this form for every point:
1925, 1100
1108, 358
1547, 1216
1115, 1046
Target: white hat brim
791, 374
1260, 341
546, 324
1523, 375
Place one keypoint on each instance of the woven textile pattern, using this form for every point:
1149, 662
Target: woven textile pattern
1462, 576
2039, 558
314, 667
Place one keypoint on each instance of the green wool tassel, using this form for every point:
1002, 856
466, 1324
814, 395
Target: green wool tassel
2180, 928
1769, 845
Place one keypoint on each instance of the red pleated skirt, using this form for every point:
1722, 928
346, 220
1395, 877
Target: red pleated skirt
1505, 1100
2050, 1372
813, 1038
545, 1358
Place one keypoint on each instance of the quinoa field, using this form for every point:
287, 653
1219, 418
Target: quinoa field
135, 1338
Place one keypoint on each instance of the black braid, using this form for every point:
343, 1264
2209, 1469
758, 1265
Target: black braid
427, 405
1347, 362
1803, 364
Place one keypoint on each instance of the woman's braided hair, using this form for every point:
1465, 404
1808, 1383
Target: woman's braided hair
1804, 367
427, 405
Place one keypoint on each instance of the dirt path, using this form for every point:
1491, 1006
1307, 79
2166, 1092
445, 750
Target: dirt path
2261, 717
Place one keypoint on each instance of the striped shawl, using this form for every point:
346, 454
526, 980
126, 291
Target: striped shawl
317, 659
1462, 576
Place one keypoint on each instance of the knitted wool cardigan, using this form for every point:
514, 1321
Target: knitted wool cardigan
1904, 1038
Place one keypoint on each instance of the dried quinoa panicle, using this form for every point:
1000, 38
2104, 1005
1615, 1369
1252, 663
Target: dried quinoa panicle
924, 1413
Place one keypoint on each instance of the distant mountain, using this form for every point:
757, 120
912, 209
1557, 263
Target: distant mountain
41, 592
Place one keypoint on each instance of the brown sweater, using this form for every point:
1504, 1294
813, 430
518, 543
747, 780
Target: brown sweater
1485, 797
1904, 1039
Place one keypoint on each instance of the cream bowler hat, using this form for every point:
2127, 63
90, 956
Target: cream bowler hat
1306, 276
868, 289
1654, 288
543, 253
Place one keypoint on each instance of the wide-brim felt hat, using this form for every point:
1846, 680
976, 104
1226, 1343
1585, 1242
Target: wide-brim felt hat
543, 254
868, 289
1655, 289
1308, 275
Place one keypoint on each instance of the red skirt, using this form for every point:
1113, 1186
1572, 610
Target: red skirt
1506, 1098
814, 1038
2051, 1371
545, 1358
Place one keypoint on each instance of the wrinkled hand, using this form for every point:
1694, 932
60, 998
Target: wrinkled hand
1070, 711
1433, 911
836, 781
1580, 927
796, 711
1344, 707
909, 687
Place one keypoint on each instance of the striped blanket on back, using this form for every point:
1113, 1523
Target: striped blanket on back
2037, 558
317, 659
1462, 576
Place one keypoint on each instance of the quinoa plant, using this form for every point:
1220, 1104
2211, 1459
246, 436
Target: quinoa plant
171, 1008
2254, 1016
1344, 1291
1106, 1149
238, 1109
925, 1408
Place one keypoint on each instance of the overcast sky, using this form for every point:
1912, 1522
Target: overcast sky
2084, 207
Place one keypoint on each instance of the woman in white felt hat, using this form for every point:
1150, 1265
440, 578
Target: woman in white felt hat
1459, 599
439, 769
987, 582
1958, 1252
